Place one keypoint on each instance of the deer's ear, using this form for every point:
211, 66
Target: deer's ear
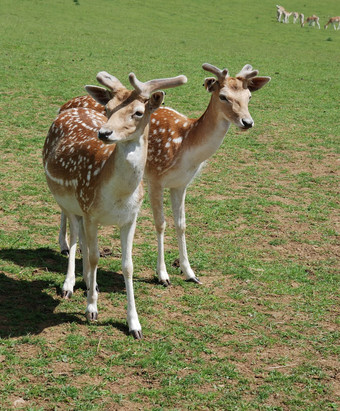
256, 83
156, 100
210, 84
100, 94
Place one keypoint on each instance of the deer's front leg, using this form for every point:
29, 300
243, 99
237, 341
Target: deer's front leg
85, 253
156, 200
126, 237
63, 243
90, 261
70, 279
178, 210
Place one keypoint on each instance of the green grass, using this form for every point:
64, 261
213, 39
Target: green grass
262, 331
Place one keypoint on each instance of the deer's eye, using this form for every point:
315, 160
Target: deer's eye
138, 114
224, 98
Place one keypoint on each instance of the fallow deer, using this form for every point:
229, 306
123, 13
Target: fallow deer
179, 146
182, 146
94, 167
279, 12
333, 21
312, 20
295, 16
282, 12
286, 15
302, 19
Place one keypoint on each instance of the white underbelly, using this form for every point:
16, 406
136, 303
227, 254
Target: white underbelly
180, 177
112, 211
69, 203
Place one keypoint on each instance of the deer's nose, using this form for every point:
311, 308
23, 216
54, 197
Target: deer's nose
104, 134
247, 122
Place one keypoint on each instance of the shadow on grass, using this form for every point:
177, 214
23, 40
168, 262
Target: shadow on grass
27, 306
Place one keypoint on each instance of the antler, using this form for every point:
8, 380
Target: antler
109, 81
220, 74
150, 86
247, 72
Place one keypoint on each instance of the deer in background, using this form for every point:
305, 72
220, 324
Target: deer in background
94, 167
282, 12
312, 20
179, 146
286, 15
279, 12
302, 19
295, 16
333, 21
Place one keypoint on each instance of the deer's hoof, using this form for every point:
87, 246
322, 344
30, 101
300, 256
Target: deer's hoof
91, 316
137, 334
165, 283
193, 280
66, 294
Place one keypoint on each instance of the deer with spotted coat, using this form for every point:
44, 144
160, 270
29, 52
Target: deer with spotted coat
295, 16
312, 20
94, 166
179, 146
279, 12
286, 15
333, 21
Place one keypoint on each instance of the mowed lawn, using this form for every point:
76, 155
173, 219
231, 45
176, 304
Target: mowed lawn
262, 331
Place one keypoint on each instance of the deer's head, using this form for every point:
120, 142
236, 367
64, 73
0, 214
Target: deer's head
231, 95
128, 111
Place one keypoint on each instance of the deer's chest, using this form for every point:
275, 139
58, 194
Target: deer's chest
118, 208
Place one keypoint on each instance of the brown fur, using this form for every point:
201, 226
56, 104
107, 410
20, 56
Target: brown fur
84, 156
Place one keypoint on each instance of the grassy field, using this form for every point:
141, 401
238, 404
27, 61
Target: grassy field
262, 332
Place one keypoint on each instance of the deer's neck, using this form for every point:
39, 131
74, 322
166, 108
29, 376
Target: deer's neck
207, 133
124, 169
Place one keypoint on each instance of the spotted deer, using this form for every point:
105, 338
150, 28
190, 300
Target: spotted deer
333, 21
279, 12
295, 16
286, 15
302, 19
179, 146
94, 166
312, 20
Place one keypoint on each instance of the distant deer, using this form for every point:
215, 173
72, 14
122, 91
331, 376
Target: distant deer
312, 20
282, 12
333, 21
302, 19
179, 146
286, 15
94, 167
279, 12
295, 16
